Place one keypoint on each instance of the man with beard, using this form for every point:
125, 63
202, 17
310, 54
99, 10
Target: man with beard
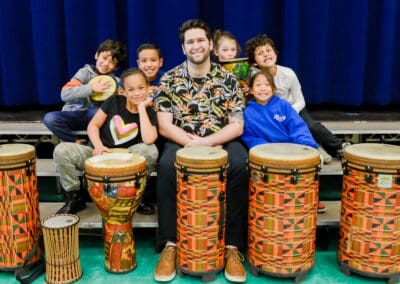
200, 104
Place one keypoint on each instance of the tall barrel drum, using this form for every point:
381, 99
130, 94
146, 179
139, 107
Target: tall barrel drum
369, 235
283, 200
201, 209
20, 228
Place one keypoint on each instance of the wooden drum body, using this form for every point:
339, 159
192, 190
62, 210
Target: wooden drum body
116, 184
369, 236
61, 242
283, 200
19, 206
201, 191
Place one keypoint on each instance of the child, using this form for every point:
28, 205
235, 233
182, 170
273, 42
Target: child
132, 109
226, 46
270, 119
78, 110
149, 60
262, 54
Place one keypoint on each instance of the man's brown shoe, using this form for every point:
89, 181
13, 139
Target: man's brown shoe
166, 266
234, 269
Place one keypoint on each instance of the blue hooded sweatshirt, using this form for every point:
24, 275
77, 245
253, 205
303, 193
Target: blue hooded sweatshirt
275, 122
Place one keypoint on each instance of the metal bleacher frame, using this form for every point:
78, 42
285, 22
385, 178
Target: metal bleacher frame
354, 131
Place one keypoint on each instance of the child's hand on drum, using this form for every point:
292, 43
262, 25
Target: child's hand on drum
100, 86
100, 150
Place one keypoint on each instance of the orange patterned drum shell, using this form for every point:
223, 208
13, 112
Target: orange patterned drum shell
201, 186
19, 209
369, 235
283, 197
116, 183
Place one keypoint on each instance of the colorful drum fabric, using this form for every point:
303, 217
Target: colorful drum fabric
369, 236
61, 242
19, 206
283, 198
239, 67
201, 187
102, 96
116, 184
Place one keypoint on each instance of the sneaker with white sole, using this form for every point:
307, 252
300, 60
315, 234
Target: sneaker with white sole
166, 267
234, 269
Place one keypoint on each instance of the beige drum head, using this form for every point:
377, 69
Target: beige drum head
16, 153
115, 164
101, 97
284, 155
201, 157
374, 155
60, 221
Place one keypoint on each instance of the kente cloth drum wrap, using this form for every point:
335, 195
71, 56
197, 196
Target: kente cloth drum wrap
61, 243
116, 184
201, 209
369, 235
283, 198
20, 229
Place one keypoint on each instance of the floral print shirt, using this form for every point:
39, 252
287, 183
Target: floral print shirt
200, 106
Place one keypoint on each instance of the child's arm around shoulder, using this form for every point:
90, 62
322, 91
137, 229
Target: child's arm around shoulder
78, 87
147, 129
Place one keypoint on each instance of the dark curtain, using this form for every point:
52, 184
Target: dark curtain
344, 52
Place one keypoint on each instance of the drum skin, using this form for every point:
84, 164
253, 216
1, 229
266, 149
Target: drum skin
201, 189
369, 235
61, 241
116, 184
283, 198
19, 206
99, 97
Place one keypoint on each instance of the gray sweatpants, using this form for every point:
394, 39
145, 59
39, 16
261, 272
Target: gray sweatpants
70, 161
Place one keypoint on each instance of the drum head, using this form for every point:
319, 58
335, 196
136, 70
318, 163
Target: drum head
201, 157
374, 155
101, 97
284, 155
60, 221
16, 153
112, 164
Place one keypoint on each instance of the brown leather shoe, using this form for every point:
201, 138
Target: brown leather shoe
166, 266
234, 269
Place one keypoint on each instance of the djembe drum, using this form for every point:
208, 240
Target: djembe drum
239, 67
369, 235
116, 184
61, 243
99, 97
283, 198
19, 207
201, 187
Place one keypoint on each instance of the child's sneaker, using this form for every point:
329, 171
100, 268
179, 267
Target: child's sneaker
321, 207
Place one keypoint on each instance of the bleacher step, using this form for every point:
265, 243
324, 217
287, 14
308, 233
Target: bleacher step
90, 217
46, 167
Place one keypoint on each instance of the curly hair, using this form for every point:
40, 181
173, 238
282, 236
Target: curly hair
253, 43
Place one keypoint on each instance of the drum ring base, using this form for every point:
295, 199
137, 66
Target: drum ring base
205, 276
120, 272
346, 270
298, 277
